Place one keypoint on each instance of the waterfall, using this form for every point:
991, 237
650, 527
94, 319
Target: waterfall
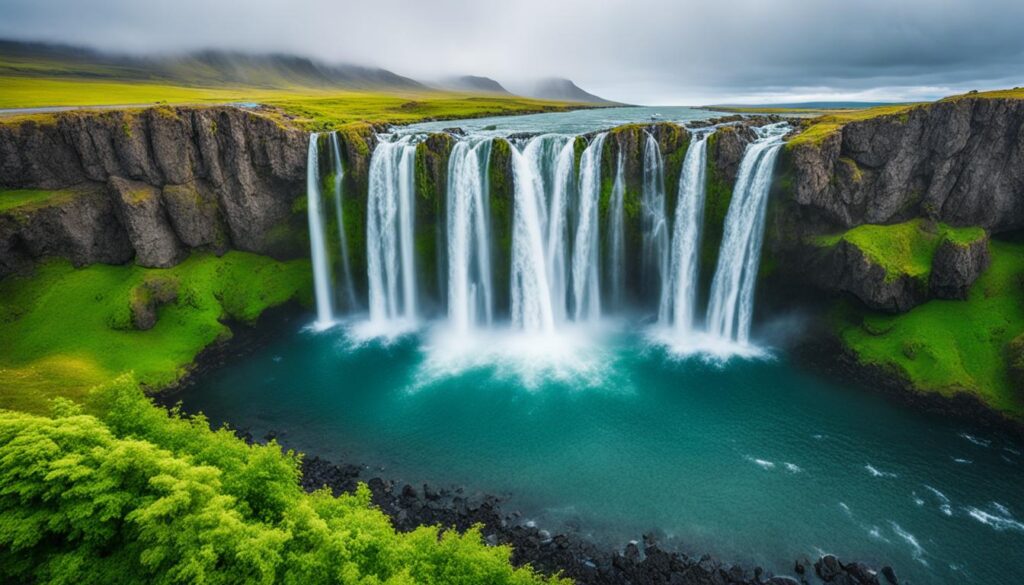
470, 287
731, 303
679, 290
317, 240
346, 269
532, 300
654, 224
586, 252
542, 172
389, 232
617, 227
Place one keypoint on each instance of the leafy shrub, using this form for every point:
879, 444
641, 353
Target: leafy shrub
121, 491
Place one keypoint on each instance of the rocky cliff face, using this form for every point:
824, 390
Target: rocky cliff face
160, 181
959, 161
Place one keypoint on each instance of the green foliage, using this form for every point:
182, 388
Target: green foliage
903, 249
950, 346
64, 330
132, 494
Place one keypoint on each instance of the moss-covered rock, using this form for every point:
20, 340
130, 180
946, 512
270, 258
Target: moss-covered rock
896, 267
430, 224
502, 203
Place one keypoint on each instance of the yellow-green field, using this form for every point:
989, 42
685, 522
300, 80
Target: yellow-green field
310, 108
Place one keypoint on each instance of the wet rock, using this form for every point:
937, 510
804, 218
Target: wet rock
828, 568
890, 575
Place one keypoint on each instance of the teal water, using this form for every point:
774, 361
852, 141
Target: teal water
753, 460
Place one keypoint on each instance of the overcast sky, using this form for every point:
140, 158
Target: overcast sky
637, 51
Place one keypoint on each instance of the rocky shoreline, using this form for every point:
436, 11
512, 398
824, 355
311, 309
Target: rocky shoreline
568, 554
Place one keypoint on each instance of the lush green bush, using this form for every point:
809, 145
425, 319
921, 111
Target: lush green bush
121, 491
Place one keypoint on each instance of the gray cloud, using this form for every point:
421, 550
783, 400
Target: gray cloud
647, 51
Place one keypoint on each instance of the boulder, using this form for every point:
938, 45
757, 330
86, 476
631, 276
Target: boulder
193, 213
154, 291
828, 568
141, 211
956, 265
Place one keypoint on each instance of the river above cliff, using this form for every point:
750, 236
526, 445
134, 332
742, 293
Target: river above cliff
573, 122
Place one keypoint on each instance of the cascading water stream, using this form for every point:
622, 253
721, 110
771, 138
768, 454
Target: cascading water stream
470, 282
654, 224
731, 304
617, 227
679, 292
346, 268
317, 240
389, 232
546, 175
532, 301
586, 253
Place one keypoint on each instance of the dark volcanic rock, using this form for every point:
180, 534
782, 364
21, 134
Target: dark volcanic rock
570, 554
956, 266
729, 145
192, 210
229, 178
958, 161
80, 225
141, 211
843, 267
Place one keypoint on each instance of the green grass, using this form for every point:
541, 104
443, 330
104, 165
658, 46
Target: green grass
64, 330
26, 199
947, 347
308, 108
1016, 93
903, 249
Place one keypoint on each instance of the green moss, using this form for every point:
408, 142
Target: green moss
431, 177
501, 206
22, 200
903, 249
63, 330
947, 347
851, 166
718, 196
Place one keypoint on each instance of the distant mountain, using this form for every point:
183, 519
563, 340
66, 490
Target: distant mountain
557, 88
476, 84
208, 68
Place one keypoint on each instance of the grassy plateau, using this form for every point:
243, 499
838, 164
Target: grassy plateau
947, 347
